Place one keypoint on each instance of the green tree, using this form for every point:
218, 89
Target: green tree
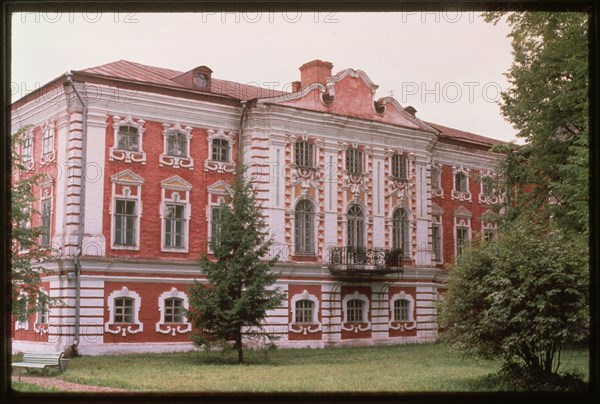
234, 302
519, 298
26, 253
547, 103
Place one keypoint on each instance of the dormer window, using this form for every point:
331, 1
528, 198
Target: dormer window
201, 80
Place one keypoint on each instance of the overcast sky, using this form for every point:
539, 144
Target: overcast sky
450, 66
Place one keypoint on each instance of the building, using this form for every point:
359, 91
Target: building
367, 203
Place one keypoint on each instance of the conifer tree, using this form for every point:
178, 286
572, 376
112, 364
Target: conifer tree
238, 294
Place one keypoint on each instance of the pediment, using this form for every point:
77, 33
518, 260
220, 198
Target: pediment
177, 183
462, 212
436, 210
127, 177
219, 187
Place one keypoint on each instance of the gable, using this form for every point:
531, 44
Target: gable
177, 183
127, 177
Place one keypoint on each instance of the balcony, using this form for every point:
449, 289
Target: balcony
364, 261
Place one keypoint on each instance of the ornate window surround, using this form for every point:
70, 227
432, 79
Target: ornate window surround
461, 195
315, 225
128, 156
409, 221
22, 325
352, 326
410, 324
462, 218
173, 328
48, 131
304, 328
439, 192
437, 214
176, 185
28, 163
219, 188
38, 326
165, 159
128, 179
483, 198
121, 328
46, 193
219, 166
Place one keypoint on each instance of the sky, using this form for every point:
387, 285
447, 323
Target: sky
449, 66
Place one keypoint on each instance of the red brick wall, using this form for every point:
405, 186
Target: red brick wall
150, 223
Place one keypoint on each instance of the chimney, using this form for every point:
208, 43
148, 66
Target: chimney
315, 71
411, 110
296, 86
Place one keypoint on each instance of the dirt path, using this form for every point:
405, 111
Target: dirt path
63, 385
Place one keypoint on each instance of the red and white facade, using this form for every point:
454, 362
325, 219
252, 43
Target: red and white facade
135, 172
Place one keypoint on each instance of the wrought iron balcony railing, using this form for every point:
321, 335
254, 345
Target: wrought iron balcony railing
360, 260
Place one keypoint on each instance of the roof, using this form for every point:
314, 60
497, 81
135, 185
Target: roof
138, 72
461, 135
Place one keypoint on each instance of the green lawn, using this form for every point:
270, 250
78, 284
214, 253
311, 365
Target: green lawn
404, 368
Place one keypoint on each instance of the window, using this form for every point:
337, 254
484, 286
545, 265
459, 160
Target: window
304, 311
123, 309
177, 144
487, 186
462, 238
401, 231
354, 161
27, 150
460, 182
304, 220
125, 222
356, 226
201, 80
401, 308
173, 310
304, 154
46, 212
42, 311
220, 150
128, 138
174, 225
215, 223
354, 309
489, 234
48, 142
436, 178
399, 166
436, 233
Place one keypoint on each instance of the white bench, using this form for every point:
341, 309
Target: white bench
40, 360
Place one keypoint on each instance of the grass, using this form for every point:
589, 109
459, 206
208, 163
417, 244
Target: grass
404, 368
32, 388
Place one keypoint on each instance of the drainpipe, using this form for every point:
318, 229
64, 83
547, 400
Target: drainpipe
76, 261
240, 145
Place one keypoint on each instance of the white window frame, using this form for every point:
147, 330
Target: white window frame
219, 166
461, 195
133, 328
403, 168
128, 156
354, 326
361, 163
437, 214
439, 192
304, 328
310, 153
462, 219
488, 225
180, 194
409, 223
220, 189
402, 325
48, 137
184, 161
313, 218
173, 328
38, 326
28, 159
127, 179
22, 325
487, 199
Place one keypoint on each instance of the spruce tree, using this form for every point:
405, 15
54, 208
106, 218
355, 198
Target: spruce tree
238, 294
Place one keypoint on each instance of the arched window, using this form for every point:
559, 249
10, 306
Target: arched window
354, 311
304, 218
356, 226
304, 310
123, 310
401, 231
401, 310
173, 310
